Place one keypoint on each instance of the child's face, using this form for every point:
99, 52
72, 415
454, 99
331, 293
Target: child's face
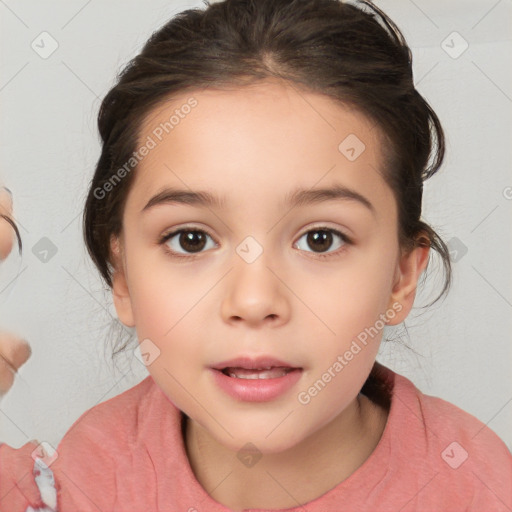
253, 147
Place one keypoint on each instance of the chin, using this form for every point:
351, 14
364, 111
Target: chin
257, 439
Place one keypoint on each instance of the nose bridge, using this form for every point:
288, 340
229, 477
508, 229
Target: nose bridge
251, 273
254, 292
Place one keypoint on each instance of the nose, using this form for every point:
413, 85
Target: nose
255, 294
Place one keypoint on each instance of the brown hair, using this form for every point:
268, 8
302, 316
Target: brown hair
352, 53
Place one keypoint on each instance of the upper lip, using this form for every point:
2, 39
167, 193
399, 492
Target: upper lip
252, 363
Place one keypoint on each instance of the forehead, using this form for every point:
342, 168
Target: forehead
277, 105
266, 137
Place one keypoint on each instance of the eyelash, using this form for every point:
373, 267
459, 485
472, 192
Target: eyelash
167, 236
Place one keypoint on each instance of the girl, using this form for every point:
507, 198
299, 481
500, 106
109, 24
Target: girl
256, 210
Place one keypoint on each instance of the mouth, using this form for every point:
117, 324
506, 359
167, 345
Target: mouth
259, 379
270, 372
262, 367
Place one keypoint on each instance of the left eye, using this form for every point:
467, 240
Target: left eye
322, 238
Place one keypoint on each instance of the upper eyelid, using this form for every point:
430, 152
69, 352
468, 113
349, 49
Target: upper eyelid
175, 231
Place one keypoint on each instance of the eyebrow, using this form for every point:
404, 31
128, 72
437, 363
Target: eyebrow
298, 197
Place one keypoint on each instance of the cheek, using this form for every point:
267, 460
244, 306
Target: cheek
160, 297
167, 309
165, 324
352, 294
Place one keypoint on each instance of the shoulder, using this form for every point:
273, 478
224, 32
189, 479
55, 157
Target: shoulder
118, 414
443, 420
96, 448
462, 453
106, 430
101, 458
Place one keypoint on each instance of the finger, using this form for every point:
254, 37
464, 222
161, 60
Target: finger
6, 197
7, 375
6, 230
14, 352
14, 349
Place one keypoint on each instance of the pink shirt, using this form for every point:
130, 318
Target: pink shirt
127, 454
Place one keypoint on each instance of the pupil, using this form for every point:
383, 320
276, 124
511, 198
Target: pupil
192, 241
324, 237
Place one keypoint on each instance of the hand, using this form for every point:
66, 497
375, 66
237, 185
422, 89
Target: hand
13, 350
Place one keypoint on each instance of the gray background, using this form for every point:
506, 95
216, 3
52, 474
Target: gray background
462, 348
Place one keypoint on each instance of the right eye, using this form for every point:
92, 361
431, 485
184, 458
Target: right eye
193, 241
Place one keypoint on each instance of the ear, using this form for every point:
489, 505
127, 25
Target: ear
120, 290
409, 268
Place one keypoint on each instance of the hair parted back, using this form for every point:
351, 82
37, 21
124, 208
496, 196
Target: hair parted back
351, 52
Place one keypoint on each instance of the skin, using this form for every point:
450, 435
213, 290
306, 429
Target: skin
254, 145
14, 351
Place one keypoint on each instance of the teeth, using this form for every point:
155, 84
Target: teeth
265, 373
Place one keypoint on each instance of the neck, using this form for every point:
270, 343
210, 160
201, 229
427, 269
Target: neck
295, 476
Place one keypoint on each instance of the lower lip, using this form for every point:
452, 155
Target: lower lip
256, 390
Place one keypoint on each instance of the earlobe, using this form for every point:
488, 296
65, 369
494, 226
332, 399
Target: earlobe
120, 290
408, 272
